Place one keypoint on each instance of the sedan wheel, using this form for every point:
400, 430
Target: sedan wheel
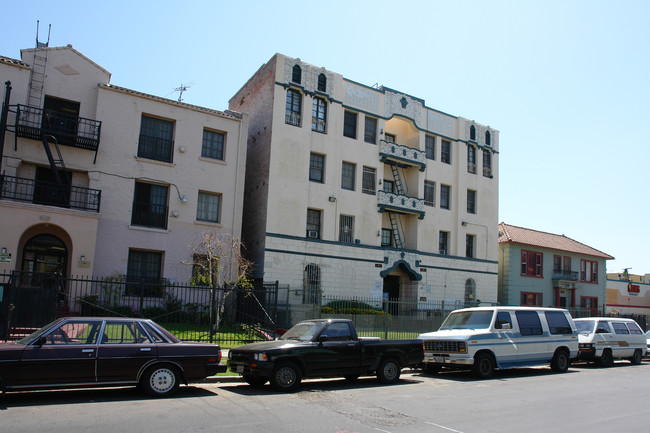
161, 380
286, 377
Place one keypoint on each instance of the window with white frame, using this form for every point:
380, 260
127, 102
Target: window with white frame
208, 207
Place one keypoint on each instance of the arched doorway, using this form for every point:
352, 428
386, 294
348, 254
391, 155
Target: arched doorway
45, 253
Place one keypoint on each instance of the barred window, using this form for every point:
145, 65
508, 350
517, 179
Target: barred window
346, 229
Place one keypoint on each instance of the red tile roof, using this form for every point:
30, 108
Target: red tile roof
524, 236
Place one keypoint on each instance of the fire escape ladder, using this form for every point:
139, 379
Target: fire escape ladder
400, 186
395, 225
58, 166
37, 77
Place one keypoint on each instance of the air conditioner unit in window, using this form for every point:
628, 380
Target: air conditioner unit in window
312, 234
442, 252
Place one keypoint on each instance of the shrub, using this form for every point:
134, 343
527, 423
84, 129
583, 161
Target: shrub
350, 307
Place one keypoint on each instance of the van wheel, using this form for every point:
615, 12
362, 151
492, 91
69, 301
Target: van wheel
388, 371
637, 357
560, 362
286, 377
606, 360
483, 366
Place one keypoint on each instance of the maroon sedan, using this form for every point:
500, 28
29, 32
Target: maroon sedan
105, 351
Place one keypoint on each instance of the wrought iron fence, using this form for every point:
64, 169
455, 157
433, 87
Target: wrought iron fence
49, 193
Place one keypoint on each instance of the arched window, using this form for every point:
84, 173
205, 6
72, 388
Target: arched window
472, 133
322, 83
470, 293
487, 138
296, 77
311, 277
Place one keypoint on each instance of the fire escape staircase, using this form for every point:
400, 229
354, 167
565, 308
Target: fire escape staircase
395, 220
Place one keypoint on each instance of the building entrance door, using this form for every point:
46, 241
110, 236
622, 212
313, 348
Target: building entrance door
391, 294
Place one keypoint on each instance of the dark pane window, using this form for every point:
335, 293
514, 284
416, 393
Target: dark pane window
444, 196
471, 201
430, 147
488, 138
313, 223
296, 75
529, 323
557, 322
322, 83
443, 245
312, 293
213, 144
150, 205
472, 133
487, 163
208, 207
368, 181
317, 168
144, 273
370, 134
429, 193
347, 176
350, 124
389, 186
293, 108
471, 159
156, 139
319, 115
469, 246
557, 263
445, 152
386, 237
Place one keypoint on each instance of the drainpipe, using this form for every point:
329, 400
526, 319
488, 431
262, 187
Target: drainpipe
3, 120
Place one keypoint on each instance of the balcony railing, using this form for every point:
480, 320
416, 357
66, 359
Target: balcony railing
70, 130
565, 275
402, 154
149, 215
49, 193
388, 201
156, 148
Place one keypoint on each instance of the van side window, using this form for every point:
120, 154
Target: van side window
529, 323
620, 328
634, 328
503, 318
557, 322
603, 328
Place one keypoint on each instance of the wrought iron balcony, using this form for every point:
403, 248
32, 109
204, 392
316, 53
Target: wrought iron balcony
49, 193
388, 201
149, 215
565, 276
402, 155
70, 130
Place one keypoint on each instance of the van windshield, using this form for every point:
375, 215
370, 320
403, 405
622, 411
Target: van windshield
468, 320
585, 325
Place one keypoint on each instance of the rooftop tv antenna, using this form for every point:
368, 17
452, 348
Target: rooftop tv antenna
181, 89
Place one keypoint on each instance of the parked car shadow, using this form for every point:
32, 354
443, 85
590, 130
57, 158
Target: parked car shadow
87, 395
311, 385
511, 373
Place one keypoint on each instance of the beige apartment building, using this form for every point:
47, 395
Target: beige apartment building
353, 190
124, 182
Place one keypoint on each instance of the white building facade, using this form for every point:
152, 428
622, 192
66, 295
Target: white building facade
359, 191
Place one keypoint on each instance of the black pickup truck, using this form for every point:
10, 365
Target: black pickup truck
322, 348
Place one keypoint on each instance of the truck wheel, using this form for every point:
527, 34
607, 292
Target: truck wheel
637, 357
388, 371
160, 380
560, 362
483, 366
255, 381
431, 368
606, 360
286, 377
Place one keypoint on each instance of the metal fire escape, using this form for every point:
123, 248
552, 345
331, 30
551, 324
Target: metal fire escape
395, 219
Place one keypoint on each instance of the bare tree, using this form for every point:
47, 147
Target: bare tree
218, 262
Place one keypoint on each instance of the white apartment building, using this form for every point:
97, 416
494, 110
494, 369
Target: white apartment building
354, 190
124, 183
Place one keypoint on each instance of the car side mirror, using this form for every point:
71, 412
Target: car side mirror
41, 341
322, 339
505, 326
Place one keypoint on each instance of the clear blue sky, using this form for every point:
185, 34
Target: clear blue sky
567, 83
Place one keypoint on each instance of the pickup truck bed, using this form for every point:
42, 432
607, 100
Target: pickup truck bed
323, 348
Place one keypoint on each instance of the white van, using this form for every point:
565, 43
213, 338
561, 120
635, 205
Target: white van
485, 338
603, 339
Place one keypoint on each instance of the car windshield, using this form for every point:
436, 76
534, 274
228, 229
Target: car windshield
585, 325
468, 320
30, 337
303, 331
